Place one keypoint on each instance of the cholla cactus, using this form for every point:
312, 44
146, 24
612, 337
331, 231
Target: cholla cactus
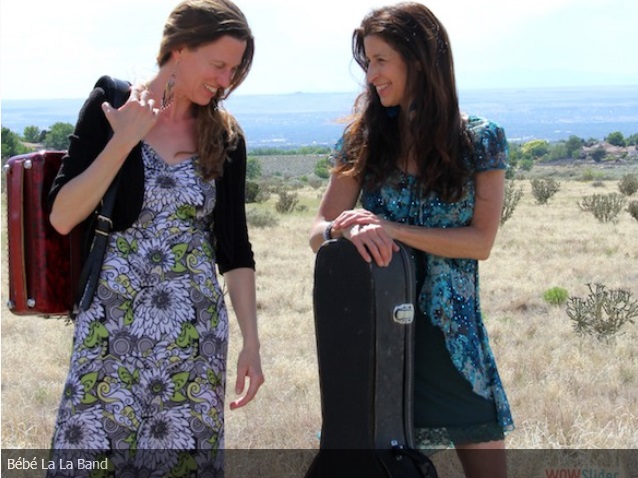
603, 313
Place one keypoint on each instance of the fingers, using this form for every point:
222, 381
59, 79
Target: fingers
248, 367
373, 243
142, 97
357, 216
256, 379
133, 120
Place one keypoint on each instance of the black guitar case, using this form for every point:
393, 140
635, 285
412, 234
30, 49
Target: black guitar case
364, 322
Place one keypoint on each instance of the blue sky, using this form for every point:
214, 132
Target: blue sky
58, 49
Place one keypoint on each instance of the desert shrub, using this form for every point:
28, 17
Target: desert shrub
632, 209
557, 151
274, 185
587, 174
257, 192
543, 189
287, 202
628, 184
252, 190
510, 200
263, 195
261, 218
604, 207
527, 164
294, 184
315, 183
556, 296
602, 313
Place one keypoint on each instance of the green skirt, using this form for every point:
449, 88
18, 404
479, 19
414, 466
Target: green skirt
446, 410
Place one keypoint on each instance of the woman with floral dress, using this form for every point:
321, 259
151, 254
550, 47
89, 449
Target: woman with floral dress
433, 179
146, 385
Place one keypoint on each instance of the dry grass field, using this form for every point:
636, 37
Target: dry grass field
566, 391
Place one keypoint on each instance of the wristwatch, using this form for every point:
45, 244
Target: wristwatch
327, 232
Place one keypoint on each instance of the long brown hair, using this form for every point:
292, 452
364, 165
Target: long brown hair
194, 23
432, 132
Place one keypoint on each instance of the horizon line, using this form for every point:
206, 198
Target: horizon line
353, 92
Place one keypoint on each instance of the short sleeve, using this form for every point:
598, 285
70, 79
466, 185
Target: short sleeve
337, 157
491, 150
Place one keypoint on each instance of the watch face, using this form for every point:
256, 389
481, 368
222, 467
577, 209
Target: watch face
327, 232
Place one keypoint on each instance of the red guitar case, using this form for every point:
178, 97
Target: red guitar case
364, 322
44, 266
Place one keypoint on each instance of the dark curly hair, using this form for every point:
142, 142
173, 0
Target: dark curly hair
433, 131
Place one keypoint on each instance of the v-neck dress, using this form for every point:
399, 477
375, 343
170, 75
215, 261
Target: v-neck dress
147, 373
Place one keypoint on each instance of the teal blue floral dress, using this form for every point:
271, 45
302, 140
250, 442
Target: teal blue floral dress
458, 393
147, 373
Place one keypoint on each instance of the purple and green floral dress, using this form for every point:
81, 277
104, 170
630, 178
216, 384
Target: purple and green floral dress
147, 374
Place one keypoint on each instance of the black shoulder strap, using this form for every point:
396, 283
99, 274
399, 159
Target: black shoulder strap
117, 92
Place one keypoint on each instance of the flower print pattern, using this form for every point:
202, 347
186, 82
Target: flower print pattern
450, 292
82, 431
148, 365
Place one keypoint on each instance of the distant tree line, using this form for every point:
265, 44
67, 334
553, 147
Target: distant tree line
55, 138
522, 155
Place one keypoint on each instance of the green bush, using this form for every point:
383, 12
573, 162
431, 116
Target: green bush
287, 202
261, 218
628, 184
604, 207
510, 200
33, 134
536, 148
574, 146
527, 164
11, 144
616, 138
543, 189
598, 154
322, 168
603, 313
556, 296
632, 209
58, 136
253, 168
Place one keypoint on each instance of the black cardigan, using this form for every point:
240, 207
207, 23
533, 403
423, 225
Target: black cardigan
232, 246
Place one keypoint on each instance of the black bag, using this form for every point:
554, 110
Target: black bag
117, 92
364, 326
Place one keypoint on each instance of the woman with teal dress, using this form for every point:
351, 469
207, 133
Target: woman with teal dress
431, 178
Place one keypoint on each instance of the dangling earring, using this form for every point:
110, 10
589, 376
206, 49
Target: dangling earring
169, 90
